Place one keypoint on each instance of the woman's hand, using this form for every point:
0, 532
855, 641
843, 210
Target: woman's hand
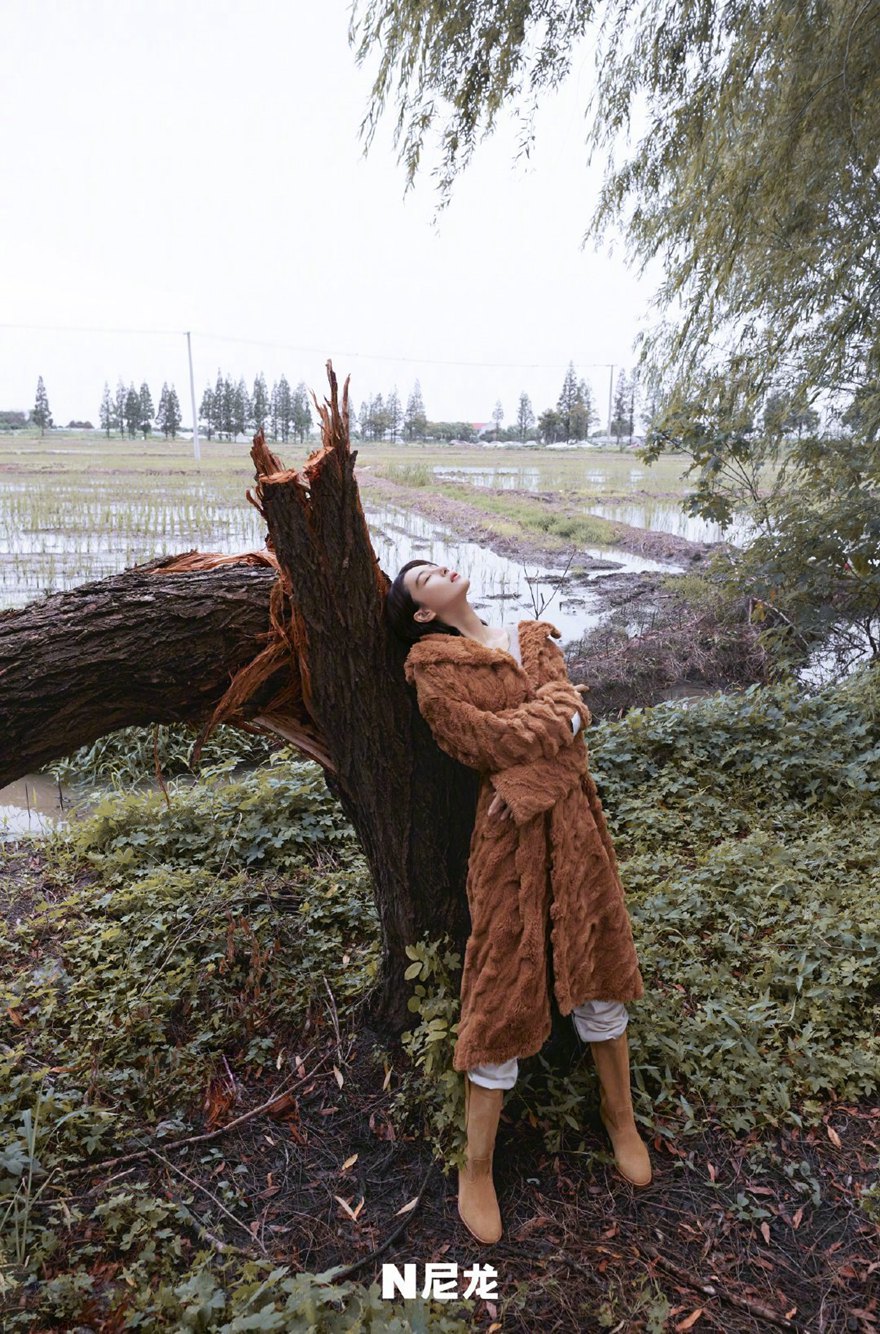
585, 708
499, 807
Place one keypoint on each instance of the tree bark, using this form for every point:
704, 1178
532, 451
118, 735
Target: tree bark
125, 651
411, 805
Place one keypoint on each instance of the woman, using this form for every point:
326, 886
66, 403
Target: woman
543, 889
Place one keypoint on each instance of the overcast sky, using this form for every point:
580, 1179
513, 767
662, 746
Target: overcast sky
195, 164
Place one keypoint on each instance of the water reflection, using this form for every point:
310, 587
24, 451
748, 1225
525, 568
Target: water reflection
31, 806
668, 517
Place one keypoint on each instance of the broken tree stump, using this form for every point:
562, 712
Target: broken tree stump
411, 805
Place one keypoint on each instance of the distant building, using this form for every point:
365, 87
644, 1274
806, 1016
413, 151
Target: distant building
612, 442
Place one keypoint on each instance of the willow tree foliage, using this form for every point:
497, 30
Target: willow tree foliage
756, 178
741, 144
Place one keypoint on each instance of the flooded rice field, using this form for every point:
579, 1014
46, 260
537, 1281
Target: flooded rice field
629, 504
502, 589
73, 511
54, 543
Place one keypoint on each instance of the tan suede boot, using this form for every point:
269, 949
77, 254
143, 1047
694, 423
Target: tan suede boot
616, 1110
477, 1202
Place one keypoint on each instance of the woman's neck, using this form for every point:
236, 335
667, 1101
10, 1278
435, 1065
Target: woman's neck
468, 623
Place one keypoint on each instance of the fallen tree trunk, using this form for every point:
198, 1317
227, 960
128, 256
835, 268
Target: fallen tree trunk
125, 651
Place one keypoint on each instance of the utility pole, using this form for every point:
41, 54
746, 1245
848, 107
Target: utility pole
610, 395
197, 453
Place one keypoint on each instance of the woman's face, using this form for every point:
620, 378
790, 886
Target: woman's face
437, 589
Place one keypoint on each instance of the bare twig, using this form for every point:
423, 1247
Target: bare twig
196, 1139
539, 611
211, 1196
160, 777
335, 1017
771, 607
224, 1247
230, 1074
757, 1309
334, 1275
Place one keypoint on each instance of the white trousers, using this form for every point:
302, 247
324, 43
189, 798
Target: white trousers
594, 1021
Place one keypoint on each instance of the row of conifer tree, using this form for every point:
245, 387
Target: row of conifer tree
228, 409
130, 411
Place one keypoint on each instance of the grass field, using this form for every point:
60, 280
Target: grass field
86, 454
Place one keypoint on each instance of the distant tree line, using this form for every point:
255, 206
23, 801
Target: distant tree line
384, 418
228, 410
12, 420
130, 411
575, 413
572, 417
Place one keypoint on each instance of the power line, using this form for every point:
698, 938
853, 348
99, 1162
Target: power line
321, 351
68, 328
415, 361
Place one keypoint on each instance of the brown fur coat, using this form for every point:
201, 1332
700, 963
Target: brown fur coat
547, 874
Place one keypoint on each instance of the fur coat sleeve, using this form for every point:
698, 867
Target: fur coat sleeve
490, 741
528, 750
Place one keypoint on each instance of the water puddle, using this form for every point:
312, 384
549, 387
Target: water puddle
507, 478
629, 562
31, 806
